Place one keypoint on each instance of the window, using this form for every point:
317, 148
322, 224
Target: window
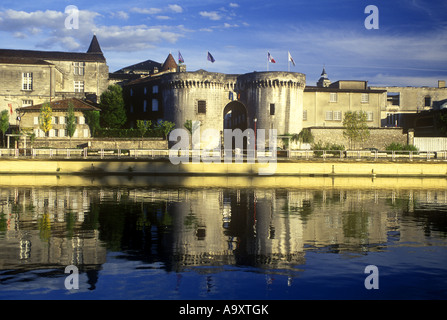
337, 115
155, 89
145, 90
365, 97
154, 105
61, 132
145, 106
27, 81
55, 120
328, 115
56, 132
427, 101
131, 92
36, 120
79, 86
333, 97
61, 120
131, 108
272, 109
78, 68
85, 133
201, 106
369, 116
304, 115
27, 103
81, 120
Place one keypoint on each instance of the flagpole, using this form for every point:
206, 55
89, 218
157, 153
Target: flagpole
268, 62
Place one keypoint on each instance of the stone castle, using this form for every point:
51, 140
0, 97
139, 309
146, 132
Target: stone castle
166, 91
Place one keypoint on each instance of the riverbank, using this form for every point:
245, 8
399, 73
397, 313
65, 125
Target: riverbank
350, 168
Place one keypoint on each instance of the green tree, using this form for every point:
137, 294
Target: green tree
4, 123
191, 126
356, 129
164, 127
113, 114
92, 118
45, 118
143, 126
70, 124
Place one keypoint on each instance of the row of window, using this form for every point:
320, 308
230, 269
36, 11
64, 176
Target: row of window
154, 106
333, 97
61, 120
145, 91
27, 83
338, 116
60, 133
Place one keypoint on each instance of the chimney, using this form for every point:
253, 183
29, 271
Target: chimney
441, 83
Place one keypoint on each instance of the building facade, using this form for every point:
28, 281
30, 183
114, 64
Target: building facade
265, 100
30, 77
29, 119
403, 103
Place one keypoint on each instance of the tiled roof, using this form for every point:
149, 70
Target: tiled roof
147, 65
169, 63
94, 54
62, 105
16, 60
94, 46
51, 55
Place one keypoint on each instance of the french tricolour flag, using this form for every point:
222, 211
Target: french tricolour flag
271, 58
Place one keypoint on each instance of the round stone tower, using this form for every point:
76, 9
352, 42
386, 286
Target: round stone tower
274, 99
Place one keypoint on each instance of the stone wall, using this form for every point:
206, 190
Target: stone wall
104, 143
379, 137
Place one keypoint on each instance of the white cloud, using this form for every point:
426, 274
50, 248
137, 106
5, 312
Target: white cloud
48, 30
163, 17
175, 8
146, 10
234, 5
213, 15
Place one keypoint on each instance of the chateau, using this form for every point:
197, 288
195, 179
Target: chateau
166, 91
30, 77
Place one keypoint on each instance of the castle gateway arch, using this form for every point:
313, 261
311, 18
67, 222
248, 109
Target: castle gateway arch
235, 117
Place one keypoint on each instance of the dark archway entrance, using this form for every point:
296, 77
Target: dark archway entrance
235, 117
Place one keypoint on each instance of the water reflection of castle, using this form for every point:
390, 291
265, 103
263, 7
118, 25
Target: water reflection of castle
271, 228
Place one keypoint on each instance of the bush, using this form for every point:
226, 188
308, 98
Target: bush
319, 147
395, 146
124, 133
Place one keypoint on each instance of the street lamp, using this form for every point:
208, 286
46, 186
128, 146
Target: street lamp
255, 120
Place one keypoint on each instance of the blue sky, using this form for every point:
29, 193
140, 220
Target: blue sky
409, 48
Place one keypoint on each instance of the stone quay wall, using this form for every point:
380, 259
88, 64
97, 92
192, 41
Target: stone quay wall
379, 137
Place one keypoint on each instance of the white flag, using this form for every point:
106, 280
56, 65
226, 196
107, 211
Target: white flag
291, 59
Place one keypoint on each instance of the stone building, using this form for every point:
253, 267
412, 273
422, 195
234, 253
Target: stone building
29, 77
267, 100
403, 103
29, 118
326, 103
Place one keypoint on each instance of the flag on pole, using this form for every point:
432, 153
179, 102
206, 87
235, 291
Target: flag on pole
270, 58
10, 108
180, 58
291, 59
210, 57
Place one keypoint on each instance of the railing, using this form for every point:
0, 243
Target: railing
342, 155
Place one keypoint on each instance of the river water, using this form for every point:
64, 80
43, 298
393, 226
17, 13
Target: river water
213, 238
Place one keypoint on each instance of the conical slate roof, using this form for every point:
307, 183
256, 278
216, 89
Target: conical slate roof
94, 46
169, 63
